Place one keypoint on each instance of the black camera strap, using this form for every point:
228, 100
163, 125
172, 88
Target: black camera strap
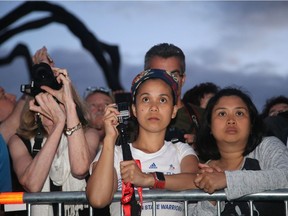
194, 116
39, 136
130, 205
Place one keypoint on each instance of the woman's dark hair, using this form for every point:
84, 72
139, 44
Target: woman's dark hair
206, 145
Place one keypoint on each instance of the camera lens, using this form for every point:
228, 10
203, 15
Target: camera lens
41, 72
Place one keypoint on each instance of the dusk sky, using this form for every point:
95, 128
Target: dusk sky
239, 43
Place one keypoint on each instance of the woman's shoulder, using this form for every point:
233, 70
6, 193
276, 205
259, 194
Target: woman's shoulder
181, 147
271, 140
270, 145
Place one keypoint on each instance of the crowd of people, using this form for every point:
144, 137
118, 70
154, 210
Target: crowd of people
211, 139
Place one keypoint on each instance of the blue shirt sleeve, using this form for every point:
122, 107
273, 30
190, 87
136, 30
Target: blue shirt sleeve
5, 172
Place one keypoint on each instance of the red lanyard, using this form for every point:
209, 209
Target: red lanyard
127, 192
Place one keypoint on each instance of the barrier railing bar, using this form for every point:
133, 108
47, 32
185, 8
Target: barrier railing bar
149, 195
60, 206
122, 213
29, 209
198, 195
218, 208
251, 207
153, 208
186, 207
75, 197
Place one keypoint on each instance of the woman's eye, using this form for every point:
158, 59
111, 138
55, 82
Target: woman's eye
239, 113
163, 100
221, 114
145, 99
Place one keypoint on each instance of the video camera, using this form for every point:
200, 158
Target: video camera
41, 74
175, 135
124, 110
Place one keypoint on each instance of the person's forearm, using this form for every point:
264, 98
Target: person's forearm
101, 184
79, 154
181, 181
243, 182
34, 176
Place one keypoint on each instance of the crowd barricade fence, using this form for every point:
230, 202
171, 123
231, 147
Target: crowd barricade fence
153, 196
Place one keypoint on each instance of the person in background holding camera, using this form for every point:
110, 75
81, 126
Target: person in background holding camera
97, 99
171, 58
53, 147
163, 165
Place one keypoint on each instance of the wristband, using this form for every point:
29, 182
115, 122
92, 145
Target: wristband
70, 131
159, 180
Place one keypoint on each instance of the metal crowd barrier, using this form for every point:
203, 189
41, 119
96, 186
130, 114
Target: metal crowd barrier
153, 196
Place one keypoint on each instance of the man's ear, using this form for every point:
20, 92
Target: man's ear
183, 79
174, 113
134, 110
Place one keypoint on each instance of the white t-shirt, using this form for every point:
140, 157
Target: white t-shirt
166, 160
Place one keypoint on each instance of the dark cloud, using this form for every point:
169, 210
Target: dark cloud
259, 84
254, 13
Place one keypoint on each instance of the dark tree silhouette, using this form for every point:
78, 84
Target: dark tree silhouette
19, 50
98, 49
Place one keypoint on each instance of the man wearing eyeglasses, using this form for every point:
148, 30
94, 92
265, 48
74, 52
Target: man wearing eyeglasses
171, 58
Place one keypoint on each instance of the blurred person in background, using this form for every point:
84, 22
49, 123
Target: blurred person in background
275, 116
97, 98
200, 94
275, 105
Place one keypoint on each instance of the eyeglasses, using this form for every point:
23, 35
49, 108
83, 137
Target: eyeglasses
276, 112
91, 90
176, 73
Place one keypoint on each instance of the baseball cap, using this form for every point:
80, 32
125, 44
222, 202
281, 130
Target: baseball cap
166, 76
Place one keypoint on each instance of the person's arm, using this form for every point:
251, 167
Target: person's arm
79, 148
102, 183
10, 125
80, 156
93, 141
32, 172
130, 172
185, 179
272, 156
